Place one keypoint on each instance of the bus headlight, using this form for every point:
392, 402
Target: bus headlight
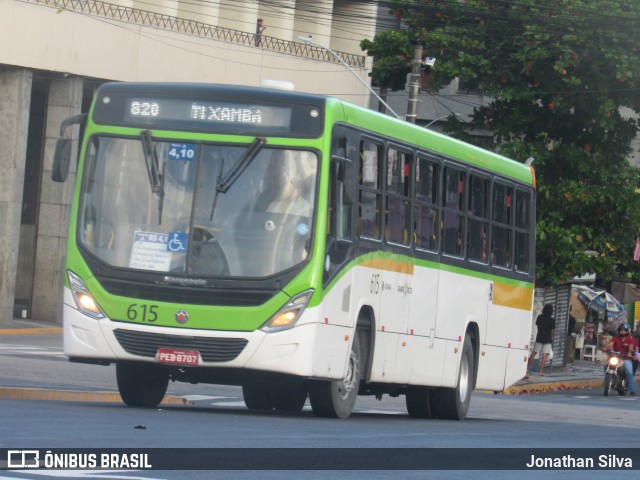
84, 300
288, 315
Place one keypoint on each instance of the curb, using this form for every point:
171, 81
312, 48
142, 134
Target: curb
31, 331
75, 396
553, 386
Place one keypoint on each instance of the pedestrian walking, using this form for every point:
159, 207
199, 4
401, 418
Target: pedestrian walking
260, 27
544, 338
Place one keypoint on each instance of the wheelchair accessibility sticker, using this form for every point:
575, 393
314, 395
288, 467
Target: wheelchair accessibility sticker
177, 242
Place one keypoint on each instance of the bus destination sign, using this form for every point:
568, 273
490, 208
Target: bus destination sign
167, 109
209, 109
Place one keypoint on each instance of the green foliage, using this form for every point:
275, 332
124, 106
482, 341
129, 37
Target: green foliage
558, 71
392, 51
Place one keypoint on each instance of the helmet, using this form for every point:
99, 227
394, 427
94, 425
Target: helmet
624, 326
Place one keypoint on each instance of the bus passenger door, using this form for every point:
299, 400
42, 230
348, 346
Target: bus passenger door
426, 353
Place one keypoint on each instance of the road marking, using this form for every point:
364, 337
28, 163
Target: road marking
381, 412
229, 404
30, 350
198, 398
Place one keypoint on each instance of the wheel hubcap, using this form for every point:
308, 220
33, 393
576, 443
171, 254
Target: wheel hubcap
348, 383
464, 380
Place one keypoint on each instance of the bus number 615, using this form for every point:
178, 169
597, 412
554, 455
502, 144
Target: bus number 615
145, 313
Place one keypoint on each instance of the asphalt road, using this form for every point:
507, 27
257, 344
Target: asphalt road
214, 417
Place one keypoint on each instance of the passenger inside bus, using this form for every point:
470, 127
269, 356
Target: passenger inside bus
284, 190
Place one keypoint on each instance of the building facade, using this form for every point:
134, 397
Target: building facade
57, 52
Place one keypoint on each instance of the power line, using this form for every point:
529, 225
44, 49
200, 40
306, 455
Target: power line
533, 94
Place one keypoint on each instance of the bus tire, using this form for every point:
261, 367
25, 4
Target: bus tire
141, 384
289, 397
336, 398
418, 400
453, 403
257, 397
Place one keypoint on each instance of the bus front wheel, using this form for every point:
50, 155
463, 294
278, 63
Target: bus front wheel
289, 397
141, 384
336, 399
453, 403
257, 397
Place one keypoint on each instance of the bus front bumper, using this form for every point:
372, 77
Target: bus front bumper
310, 349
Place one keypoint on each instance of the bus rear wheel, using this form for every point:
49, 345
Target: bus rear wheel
418, 400
336, 399
453, 403
141, 384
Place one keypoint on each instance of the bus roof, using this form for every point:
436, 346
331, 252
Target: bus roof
185, 88
433, 141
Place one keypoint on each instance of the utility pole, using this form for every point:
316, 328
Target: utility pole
414, 84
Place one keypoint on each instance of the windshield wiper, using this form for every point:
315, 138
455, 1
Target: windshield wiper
215, 195
156, 177
249, 154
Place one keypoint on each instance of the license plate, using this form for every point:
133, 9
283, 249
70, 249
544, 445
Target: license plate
176, 356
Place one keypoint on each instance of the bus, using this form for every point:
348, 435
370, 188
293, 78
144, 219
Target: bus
294, 245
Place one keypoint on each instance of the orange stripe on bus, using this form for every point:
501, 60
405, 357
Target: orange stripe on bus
389, 265
512, 296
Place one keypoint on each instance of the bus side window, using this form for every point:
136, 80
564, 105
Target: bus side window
370, 190
523, 202
398, 207
478, 209
427, 181
501, 230
453, 209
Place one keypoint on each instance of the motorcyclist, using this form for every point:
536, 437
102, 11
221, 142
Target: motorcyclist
627, 346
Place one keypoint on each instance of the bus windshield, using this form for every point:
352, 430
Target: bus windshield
157, 206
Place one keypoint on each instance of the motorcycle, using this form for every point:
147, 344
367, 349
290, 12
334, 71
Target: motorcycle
615, 377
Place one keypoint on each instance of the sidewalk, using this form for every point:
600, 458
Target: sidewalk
26, 327
578, 374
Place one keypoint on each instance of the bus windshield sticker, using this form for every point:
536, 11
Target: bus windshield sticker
302, 229
178, 242
150, 252
184, 152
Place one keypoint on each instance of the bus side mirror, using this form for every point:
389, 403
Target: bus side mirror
341, 166
62, 155
61, 159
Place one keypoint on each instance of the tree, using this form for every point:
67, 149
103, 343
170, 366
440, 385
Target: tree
392, 51
559, 72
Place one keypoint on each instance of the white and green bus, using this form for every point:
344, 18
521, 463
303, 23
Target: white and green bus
295, 245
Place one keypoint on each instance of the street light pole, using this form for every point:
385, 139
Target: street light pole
309, 40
